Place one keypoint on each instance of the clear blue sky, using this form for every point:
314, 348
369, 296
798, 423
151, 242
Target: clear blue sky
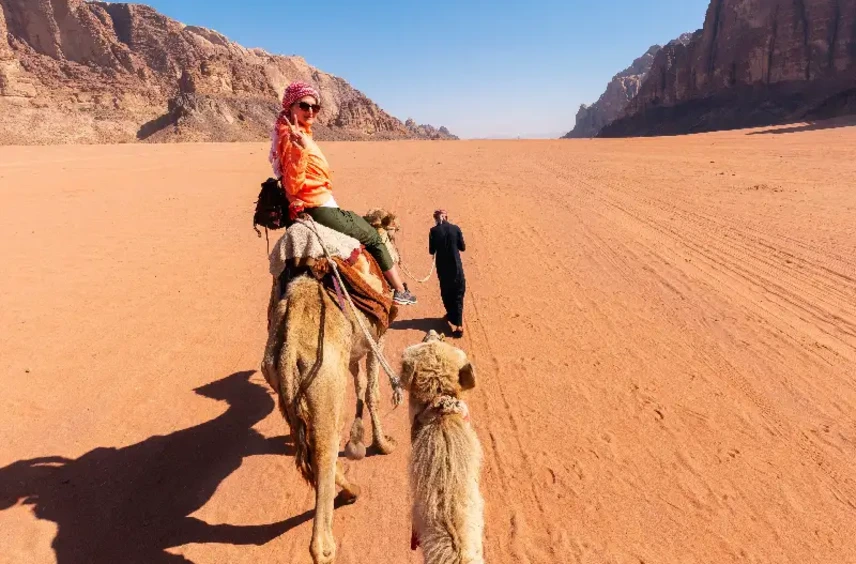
498, 68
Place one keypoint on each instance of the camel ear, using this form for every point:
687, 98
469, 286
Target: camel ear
467, 377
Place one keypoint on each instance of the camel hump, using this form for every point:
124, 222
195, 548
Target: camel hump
299, 251
299, 245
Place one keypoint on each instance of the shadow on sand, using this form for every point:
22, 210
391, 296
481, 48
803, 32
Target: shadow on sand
424, 325
151, 127
847, 121
130, 504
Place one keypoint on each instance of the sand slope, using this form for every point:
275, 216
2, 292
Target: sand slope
665, 333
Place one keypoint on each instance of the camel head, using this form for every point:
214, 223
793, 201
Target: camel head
386, 224
382, 219
235, 389
433, 336
435, 368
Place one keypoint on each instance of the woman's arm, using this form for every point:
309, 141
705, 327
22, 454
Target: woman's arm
293, 159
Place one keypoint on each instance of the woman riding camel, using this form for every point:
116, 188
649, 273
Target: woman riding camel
305, 175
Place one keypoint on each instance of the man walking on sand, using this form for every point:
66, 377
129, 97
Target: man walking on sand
445, 242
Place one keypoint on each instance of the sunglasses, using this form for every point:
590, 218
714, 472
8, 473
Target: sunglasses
306, 106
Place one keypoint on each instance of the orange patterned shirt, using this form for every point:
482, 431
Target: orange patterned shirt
305, 171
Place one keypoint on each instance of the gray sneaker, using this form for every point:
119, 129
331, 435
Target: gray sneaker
404, 298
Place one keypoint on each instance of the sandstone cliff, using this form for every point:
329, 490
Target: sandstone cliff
620, 90
755, 62
97, 72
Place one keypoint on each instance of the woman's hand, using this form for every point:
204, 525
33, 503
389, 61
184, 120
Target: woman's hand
297, 137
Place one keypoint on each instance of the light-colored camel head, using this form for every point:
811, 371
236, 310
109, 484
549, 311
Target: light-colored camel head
382, 219
435, 368
386, 224
433, 336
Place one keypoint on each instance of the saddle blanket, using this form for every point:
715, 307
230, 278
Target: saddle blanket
300, 242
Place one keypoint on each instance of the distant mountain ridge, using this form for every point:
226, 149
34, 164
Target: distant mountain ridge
754, 63
623, 87
73, 71
620, 90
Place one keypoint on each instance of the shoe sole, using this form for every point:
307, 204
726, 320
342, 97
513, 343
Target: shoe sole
405, 302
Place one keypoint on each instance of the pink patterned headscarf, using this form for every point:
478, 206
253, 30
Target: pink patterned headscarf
297, 90
294, 92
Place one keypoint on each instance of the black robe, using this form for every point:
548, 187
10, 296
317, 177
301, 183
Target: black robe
445, 242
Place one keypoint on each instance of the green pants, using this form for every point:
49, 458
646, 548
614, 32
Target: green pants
355, 226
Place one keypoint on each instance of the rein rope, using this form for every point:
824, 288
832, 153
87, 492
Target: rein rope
394, 380
404, 268
418, 280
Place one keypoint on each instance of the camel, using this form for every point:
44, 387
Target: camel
311, 346
386, 224
445, 459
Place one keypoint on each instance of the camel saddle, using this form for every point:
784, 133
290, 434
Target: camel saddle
298, 252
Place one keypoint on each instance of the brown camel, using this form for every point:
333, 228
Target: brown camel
445, 459
312, 344
386, 224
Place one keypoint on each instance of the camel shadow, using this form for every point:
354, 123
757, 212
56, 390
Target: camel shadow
130, 504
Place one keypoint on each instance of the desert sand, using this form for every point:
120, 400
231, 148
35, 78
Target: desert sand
664, 332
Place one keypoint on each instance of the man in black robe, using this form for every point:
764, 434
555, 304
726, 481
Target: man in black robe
445, 242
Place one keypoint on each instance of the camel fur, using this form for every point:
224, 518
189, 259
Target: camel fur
386, 224
312, 345
446, 456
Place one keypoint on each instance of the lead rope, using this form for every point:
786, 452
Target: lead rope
394, 380
404, 268
418, 280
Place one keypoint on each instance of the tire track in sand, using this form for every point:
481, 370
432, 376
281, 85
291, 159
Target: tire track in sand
728, 262
495, 409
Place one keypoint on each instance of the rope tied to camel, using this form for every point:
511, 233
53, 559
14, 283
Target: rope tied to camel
394, 380
444, 405
418, 280
404, 268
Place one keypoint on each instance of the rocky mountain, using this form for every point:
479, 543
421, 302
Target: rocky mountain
754, 63
428, 131
620, 90
97, 72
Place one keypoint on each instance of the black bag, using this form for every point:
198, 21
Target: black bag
271, 207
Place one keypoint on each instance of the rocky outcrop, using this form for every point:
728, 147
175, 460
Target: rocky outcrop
755, 62
620, 90
76, 71
428, 131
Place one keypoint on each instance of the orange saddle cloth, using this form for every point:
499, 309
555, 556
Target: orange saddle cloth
364, 282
